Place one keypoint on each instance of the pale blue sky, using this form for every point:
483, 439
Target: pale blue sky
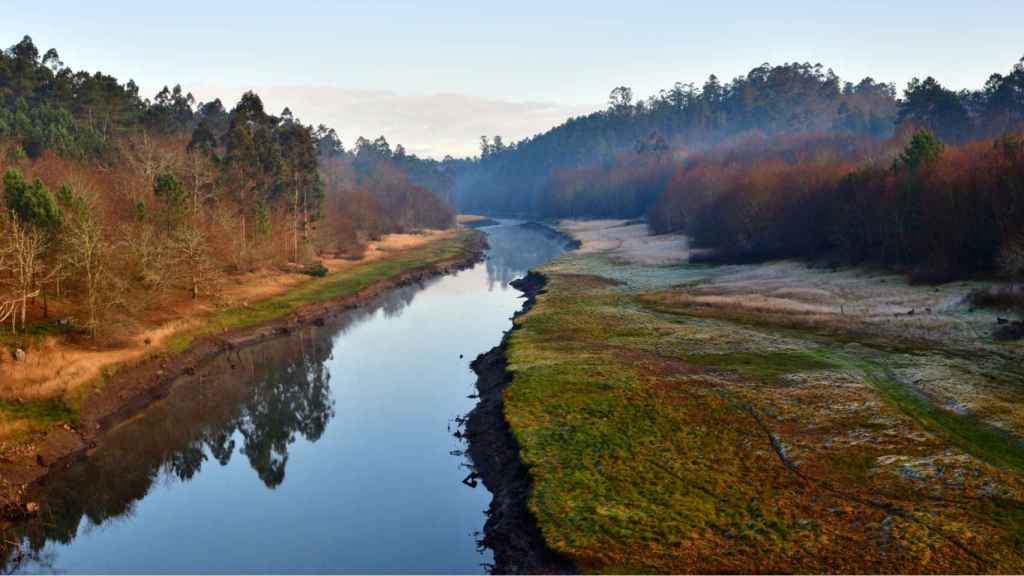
566, 54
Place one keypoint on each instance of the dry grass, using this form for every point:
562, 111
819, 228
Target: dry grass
58, 369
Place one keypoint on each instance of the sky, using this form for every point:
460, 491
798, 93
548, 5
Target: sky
435, 75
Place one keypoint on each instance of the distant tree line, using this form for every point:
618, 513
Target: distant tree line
786, 161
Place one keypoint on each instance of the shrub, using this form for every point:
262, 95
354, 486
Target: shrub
316, 269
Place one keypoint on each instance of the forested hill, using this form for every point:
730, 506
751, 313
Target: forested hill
47, 107
113, 204
565, 171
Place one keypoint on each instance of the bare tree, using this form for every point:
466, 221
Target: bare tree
87, 252
193, 255
23, 249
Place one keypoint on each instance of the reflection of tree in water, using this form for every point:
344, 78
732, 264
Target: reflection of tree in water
256, 401
293, 398
515, 249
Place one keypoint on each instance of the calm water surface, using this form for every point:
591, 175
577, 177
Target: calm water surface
328, 450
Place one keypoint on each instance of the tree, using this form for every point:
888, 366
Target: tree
193, 255
202, 164
928, 104
172, 195
923, 149
23, 252
34, 221
620, 100
32, 203
300, 170
87, 254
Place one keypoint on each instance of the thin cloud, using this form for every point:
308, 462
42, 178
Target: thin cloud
427, 125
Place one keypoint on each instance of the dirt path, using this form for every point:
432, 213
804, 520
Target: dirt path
57, 368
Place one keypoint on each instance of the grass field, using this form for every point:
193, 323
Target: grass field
667, 437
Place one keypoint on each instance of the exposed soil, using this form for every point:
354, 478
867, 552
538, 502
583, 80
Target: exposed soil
510, 531
134, 387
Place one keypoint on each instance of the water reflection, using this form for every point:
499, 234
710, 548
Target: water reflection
260, 402
254, 402
515, 249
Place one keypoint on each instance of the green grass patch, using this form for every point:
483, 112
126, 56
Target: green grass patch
46, 411
641, 460
762, 366
967, 432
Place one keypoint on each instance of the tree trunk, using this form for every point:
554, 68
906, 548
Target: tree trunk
295, 227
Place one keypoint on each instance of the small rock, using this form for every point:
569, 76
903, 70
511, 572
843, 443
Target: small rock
147, 341
1002, 321
19, 355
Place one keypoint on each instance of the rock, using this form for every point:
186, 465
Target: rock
1002, 321
19, 355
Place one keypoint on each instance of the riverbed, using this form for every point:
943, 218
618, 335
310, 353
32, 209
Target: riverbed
331, 449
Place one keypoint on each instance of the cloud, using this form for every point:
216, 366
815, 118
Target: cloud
427, 125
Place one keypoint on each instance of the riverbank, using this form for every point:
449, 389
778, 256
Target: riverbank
510, 530
124, 391
681, 418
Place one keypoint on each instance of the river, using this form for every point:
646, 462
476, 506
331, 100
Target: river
328, 450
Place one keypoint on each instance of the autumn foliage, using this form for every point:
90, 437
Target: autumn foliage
939, 212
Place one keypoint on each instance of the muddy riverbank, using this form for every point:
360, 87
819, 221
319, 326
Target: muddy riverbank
129, 390
510, 531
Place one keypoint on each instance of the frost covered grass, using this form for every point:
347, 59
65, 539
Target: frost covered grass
668, 434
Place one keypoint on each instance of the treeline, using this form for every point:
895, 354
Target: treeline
937, 212
113, 203
541, 176
789, 162
791, 98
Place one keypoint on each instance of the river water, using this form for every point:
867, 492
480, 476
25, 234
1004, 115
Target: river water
329, 450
